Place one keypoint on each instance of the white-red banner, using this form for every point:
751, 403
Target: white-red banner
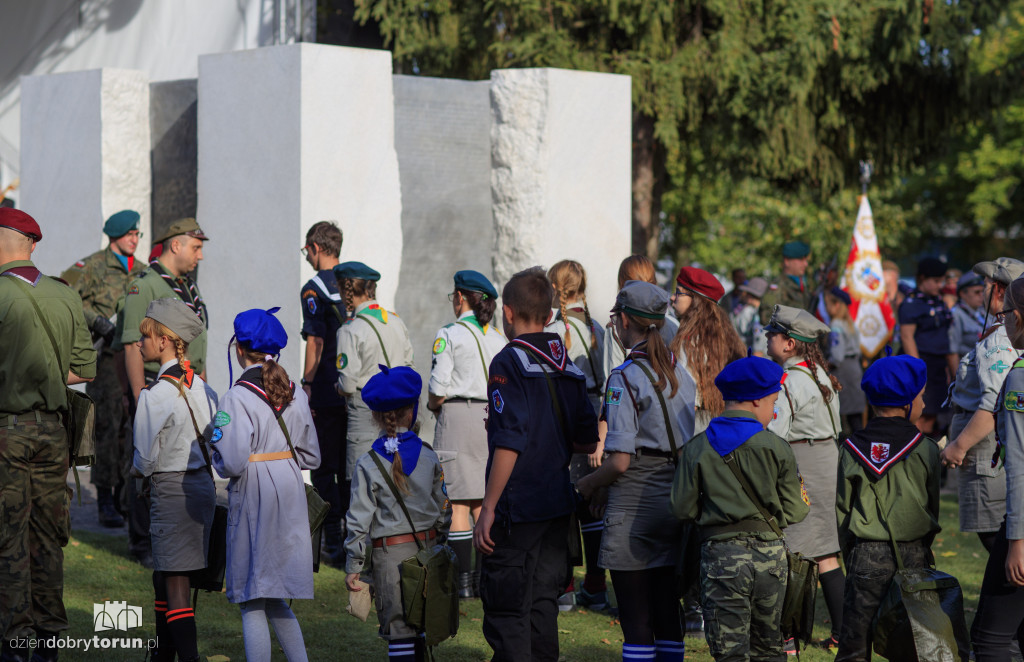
862, 279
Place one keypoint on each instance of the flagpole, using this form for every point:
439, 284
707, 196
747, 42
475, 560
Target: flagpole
866, 169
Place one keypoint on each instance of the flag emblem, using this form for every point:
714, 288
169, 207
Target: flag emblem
879, 453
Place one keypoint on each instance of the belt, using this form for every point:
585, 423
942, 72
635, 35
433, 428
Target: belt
652, 452
747, 526
811, 441
957, 409
266, 457
404, 538
11, 420
480, 400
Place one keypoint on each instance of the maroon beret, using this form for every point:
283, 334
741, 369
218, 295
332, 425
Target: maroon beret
700, 282
16, 219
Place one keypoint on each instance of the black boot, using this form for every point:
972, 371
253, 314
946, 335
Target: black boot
108, 515
466, 585
333, 553
11, 655
476, 583
46, 647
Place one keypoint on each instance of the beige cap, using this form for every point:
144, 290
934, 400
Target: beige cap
176, 316
1003, 270
797, 324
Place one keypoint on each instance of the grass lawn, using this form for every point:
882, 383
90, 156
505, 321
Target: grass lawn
97, 569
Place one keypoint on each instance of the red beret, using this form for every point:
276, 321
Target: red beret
16, 219
700, 282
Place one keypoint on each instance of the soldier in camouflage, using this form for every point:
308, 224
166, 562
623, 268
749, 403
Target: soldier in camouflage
793, 288
102, 280
743, 559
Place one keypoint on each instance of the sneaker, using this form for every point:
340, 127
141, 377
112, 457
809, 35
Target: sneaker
789, 646
831, 645
594, 601
567, 601
694, 626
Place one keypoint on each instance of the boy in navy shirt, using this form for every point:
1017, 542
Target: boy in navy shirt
539, 415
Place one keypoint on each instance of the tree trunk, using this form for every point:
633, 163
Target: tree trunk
648, 182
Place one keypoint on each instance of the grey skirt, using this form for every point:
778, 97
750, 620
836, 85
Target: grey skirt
181, 516
982, 489
362, 431
640, 531
460, 428
818, 534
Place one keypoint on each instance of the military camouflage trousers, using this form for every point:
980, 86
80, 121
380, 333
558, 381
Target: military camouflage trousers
34, 526
742, 586
106, 391
869, 572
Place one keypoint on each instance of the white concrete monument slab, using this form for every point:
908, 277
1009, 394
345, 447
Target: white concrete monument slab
288, 136
85, 146
560, 177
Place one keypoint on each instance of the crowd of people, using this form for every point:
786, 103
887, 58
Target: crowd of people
684, 446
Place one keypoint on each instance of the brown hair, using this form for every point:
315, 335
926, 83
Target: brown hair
275, 379
1013, 302
569, 281
353, 287
710, 342
327, 236
637, 267
529, 295
657, 352
811, 353
389, 420
150, 328
844, 315
483, 309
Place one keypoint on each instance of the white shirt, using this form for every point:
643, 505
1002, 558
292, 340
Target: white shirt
462, 356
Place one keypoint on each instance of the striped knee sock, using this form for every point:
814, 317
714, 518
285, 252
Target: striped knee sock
182, 624
461, 543
669, 651
632, 652
165, 647
402, 650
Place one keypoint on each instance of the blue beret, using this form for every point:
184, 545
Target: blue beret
260, 330
474, 281
355, 270
121, 223
894, 381
841, 294
748, 379
795, 249
392, 388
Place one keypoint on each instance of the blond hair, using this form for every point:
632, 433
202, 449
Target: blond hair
150, 328
569, 281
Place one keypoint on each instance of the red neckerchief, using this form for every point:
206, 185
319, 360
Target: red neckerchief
802, 364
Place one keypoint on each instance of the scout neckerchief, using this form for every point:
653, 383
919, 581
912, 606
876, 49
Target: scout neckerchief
375, 311
884, 442
556, 359
185, 288
406, 444
727, 433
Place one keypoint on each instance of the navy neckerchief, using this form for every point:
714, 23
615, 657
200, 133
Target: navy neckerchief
252, 379
409, 447
548, 346
727, 433
883, 442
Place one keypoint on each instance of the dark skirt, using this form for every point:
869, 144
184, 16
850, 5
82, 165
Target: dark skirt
181, 516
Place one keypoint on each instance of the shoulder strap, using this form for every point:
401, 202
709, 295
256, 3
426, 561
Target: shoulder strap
664, 405
586, 347
379, 339
555, 404
42, 321
835, 433
730, 461
200, 437
398, 495
479, 349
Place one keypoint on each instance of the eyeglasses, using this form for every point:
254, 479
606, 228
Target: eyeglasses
305, 249
134, 233
680, 292
451, 297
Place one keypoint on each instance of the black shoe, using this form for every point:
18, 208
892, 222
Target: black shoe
8, 655
476, 583
108, 515
466, 585
43, 652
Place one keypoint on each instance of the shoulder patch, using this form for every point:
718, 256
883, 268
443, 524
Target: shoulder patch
497, 379
1014, 401
613, 396
342, 361
217, 435
311, 305
80, 264
439, 345
497, 401
221, 418
134, 289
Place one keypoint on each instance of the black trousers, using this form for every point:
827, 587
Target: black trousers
1000, 616
331, 425
520, 582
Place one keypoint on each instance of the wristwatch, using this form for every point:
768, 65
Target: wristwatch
305, 382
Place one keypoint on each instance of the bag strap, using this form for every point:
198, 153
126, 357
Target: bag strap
664, 405
200, 437
885, 524
379, 339
337, 313
730, 461
555, 404
835, 433
479, 349
398, 495
42, 320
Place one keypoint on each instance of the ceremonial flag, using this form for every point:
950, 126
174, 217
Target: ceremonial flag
872, 315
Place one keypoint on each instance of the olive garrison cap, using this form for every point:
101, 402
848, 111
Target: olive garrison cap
474, 281
797, 324
1003, 270
121, 223
641, 299
176, 316
795, 249
355, 270
186, 226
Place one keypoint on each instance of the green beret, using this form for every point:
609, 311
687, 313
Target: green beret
474, 281
795, 249
121, 223
797, 324
355, 270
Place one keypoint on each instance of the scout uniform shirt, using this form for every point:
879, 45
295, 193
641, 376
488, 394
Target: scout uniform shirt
587, 358
748, 325
1010, 432
375, 513
966, 328
932, 318
613, 353
462, 355
31, 377
981, 372
102, 280
706, 491
155, 283
800, 415
323, 313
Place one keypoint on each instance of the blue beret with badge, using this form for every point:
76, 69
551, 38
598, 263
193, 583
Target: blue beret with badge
392, 388
751, 378
121, 223
355, 270
795, 250
260, 331
474, 281
894, 381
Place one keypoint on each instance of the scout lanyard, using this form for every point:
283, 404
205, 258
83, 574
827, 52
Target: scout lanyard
398, 496
479, 349
664, 407
200, 437
835, 434
278, 414
366, 318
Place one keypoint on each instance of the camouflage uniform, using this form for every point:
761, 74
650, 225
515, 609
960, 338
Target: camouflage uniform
787, 292
102, 281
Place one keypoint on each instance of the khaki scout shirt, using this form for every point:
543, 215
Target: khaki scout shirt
102, 281
31, 378
801, 412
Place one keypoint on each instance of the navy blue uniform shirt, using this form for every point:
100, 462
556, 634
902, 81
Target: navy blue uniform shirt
932, 318
322, 312
522, 418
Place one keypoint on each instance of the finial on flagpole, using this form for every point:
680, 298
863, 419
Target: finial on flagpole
866, 168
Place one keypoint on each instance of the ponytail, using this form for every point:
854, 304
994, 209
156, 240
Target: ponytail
657, 352
590, 321
388, 420
483, 308
275, 379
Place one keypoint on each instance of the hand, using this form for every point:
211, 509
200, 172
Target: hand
482, 531
350, 581
585, 487
1015, 563
952, 455
599, 502
594, 459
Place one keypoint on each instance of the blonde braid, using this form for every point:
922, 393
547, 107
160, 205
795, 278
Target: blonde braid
565, 319
590, 322
181, 353
347, 293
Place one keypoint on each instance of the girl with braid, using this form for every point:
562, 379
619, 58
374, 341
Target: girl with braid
808, 418
171, 423
634, 267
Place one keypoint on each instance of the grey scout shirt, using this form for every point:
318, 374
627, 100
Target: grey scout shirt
981, 372
966, 328
1010, 431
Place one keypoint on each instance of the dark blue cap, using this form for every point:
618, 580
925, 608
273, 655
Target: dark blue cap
841, 294
474, 281
260, 331
392, 388
748, 379
121, 223
795, 249
355, 270
894, 381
